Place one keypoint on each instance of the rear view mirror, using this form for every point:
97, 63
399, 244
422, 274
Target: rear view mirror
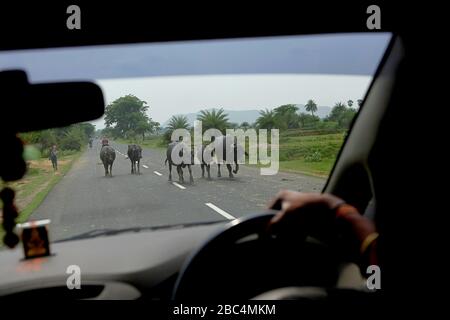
29, 107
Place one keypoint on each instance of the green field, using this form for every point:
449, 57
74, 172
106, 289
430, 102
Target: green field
307, 152
311, 154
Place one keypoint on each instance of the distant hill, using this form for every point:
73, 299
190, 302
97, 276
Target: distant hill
249, 116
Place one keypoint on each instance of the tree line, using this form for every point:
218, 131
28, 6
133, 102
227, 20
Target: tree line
127, 118
67, 139
289, 116
284, 117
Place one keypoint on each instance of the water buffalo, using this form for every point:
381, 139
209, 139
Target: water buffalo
107, 155
135, 154
179, 148
205, 160
232, 152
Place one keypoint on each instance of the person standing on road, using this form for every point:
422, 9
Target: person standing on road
54, 157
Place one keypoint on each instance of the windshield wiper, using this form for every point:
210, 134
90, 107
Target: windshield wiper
111, 232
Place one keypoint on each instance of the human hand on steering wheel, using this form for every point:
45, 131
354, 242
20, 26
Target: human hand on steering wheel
321, 217
297, 209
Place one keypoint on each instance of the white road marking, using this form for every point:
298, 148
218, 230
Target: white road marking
145, 166
157, 173
178, 185
120, 153
222, 212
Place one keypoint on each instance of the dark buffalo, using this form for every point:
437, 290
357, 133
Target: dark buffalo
205, 156
108, 155
179, 148
232, 152
135, 154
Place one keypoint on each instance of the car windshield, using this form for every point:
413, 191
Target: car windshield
193, 132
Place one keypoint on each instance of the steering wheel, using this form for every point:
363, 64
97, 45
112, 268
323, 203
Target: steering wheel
243, 260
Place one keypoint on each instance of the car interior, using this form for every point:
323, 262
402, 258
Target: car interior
214, 261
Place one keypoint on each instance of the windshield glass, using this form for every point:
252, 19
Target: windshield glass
194, 132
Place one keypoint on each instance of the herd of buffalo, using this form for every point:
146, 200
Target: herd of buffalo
231, 151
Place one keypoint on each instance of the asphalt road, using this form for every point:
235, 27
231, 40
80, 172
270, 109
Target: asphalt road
85, 200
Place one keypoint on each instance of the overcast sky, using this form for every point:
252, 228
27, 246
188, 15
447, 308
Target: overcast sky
184, 77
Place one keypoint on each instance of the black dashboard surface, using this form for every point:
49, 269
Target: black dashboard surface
125, 264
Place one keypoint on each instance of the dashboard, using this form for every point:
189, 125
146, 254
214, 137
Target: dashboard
126, 266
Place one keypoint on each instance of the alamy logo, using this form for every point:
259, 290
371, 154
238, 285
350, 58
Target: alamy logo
74, 20
74, 278
374, 280
374, 20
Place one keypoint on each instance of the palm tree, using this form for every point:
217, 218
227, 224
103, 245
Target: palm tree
338, 110
267, 120
311, 106
245, 125
215, 119
176, 122
350, 103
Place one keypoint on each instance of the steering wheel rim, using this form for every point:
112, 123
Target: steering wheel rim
230, 233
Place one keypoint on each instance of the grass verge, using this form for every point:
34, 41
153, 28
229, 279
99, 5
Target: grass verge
39, 180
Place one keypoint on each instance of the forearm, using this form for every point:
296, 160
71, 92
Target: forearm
362, 236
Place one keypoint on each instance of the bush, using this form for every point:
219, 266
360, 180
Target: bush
315, 156
71, 144
68, 140
327, 125
309, 122
61, 153
73, 139
47, 138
